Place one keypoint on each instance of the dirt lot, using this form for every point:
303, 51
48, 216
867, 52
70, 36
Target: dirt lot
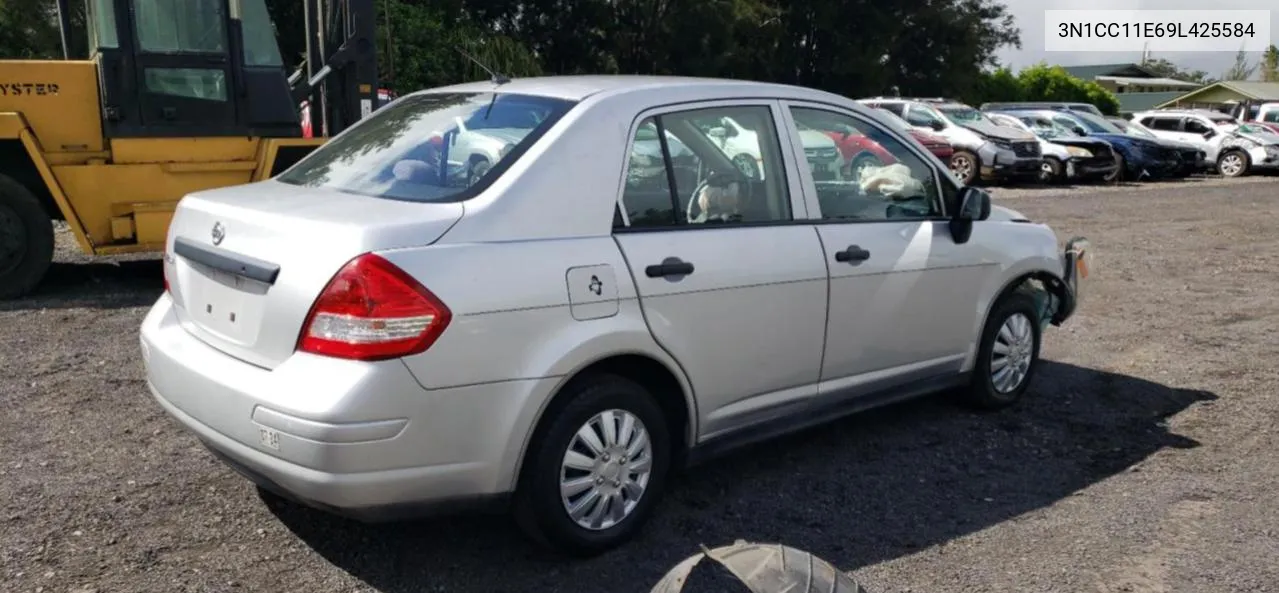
1143, 461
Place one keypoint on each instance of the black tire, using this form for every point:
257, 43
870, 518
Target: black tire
26, 240
973, 169
860, 162
1239, 171
479, 168
1052, 171
538, 507
982, 392
1121, 170
747, 165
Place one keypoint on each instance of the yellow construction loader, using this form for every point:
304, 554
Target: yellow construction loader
176, 96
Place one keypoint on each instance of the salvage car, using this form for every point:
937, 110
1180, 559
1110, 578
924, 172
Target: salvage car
983, 150
930, 140
1067, 156
1247, 148
378, 340
1139, 158
1194, 158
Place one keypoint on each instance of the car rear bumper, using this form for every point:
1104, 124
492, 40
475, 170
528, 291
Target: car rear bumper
359, 439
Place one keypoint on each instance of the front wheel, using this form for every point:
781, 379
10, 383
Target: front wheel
860, 163
1051, 171
596, 469
1233, 163
1120, 171
1008, 353
26, 240
965, 166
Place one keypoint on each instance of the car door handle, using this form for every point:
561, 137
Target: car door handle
672, 266
854, 253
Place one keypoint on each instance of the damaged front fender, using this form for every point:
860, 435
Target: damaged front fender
1057, 296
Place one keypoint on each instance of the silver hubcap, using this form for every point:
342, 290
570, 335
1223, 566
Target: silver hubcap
606, 469
961, 167
1231, 164
1047, 170
1010, 358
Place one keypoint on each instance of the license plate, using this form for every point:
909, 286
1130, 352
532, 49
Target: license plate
269, 438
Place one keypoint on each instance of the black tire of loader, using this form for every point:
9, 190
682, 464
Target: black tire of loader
35, 252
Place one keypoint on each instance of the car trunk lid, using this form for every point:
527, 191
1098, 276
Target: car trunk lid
245, 264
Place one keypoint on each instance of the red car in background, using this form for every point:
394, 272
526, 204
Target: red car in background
858, 151
932, 141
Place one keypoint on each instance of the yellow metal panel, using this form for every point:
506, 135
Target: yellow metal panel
122, 228
271, 148
11, 125
132, 151
153, 224
59, 100
99, 192
55, 189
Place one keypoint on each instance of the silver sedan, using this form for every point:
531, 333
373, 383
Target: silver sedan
468, 298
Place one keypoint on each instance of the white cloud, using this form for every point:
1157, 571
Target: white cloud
1030, 19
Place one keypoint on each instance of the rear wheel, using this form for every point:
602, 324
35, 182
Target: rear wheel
1008, 353
1233, 163
965, 166
596, 468
26, 240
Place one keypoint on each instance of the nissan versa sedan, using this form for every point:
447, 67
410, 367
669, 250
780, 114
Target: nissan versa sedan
375, 336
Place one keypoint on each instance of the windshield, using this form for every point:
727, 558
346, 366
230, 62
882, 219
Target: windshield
1134, 130
1094, 124
431, 147
1268, 133
962, 113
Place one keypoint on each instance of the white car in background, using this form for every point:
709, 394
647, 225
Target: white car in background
1200, 128
742, 146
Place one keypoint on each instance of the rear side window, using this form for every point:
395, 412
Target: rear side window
1168, 124
438, 147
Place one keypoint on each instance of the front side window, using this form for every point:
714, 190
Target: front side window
435, 147
921, 116
102, 28
180, 26
1195, 126
879, 177
711, 166
260, 48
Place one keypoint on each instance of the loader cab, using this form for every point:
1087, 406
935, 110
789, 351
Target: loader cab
190, 68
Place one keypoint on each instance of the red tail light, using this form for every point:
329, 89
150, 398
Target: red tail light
372, 310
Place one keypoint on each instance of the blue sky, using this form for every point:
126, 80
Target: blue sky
1030, 19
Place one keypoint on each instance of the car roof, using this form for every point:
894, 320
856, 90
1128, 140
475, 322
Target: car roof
579, 87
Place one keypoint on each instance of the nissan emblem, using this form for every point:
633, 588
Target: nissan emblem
219, 233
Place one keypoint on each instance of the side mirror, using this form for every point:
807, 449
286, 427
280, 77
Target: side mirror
937, 125
974, 205
1209, 134
717, 133
1080, 130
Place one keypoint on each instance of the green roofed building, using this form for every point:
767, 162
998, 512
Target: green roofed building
1137, 88
1226, 93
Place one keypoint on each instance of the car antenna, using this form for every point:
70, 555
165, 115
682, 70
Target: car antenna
496, 78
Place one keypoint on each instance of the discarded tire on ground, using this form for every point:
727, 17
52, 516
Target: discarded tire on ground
765, 568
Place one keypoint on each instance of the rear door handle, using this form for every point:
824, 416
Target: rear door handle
854, 253
671, 266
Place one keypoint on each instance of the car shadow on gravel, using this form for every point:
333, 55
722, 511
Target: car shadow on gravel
100, 285
870, 488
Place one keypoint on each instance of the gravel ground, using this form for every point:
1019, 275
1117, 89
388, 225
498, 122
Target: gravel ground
1142, 461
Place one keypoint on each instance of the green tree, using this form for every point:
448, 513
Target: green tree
29, 30
1043, 82
1270, 64
1168, 69
1243, 68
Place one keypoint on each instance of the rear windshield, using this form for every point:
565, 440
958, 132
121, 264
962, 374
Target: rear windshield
440, 147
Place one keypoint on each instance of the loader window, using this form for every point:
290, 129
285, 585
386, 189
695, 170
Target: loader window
260, 48
193, 83
102, 19
180, 26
